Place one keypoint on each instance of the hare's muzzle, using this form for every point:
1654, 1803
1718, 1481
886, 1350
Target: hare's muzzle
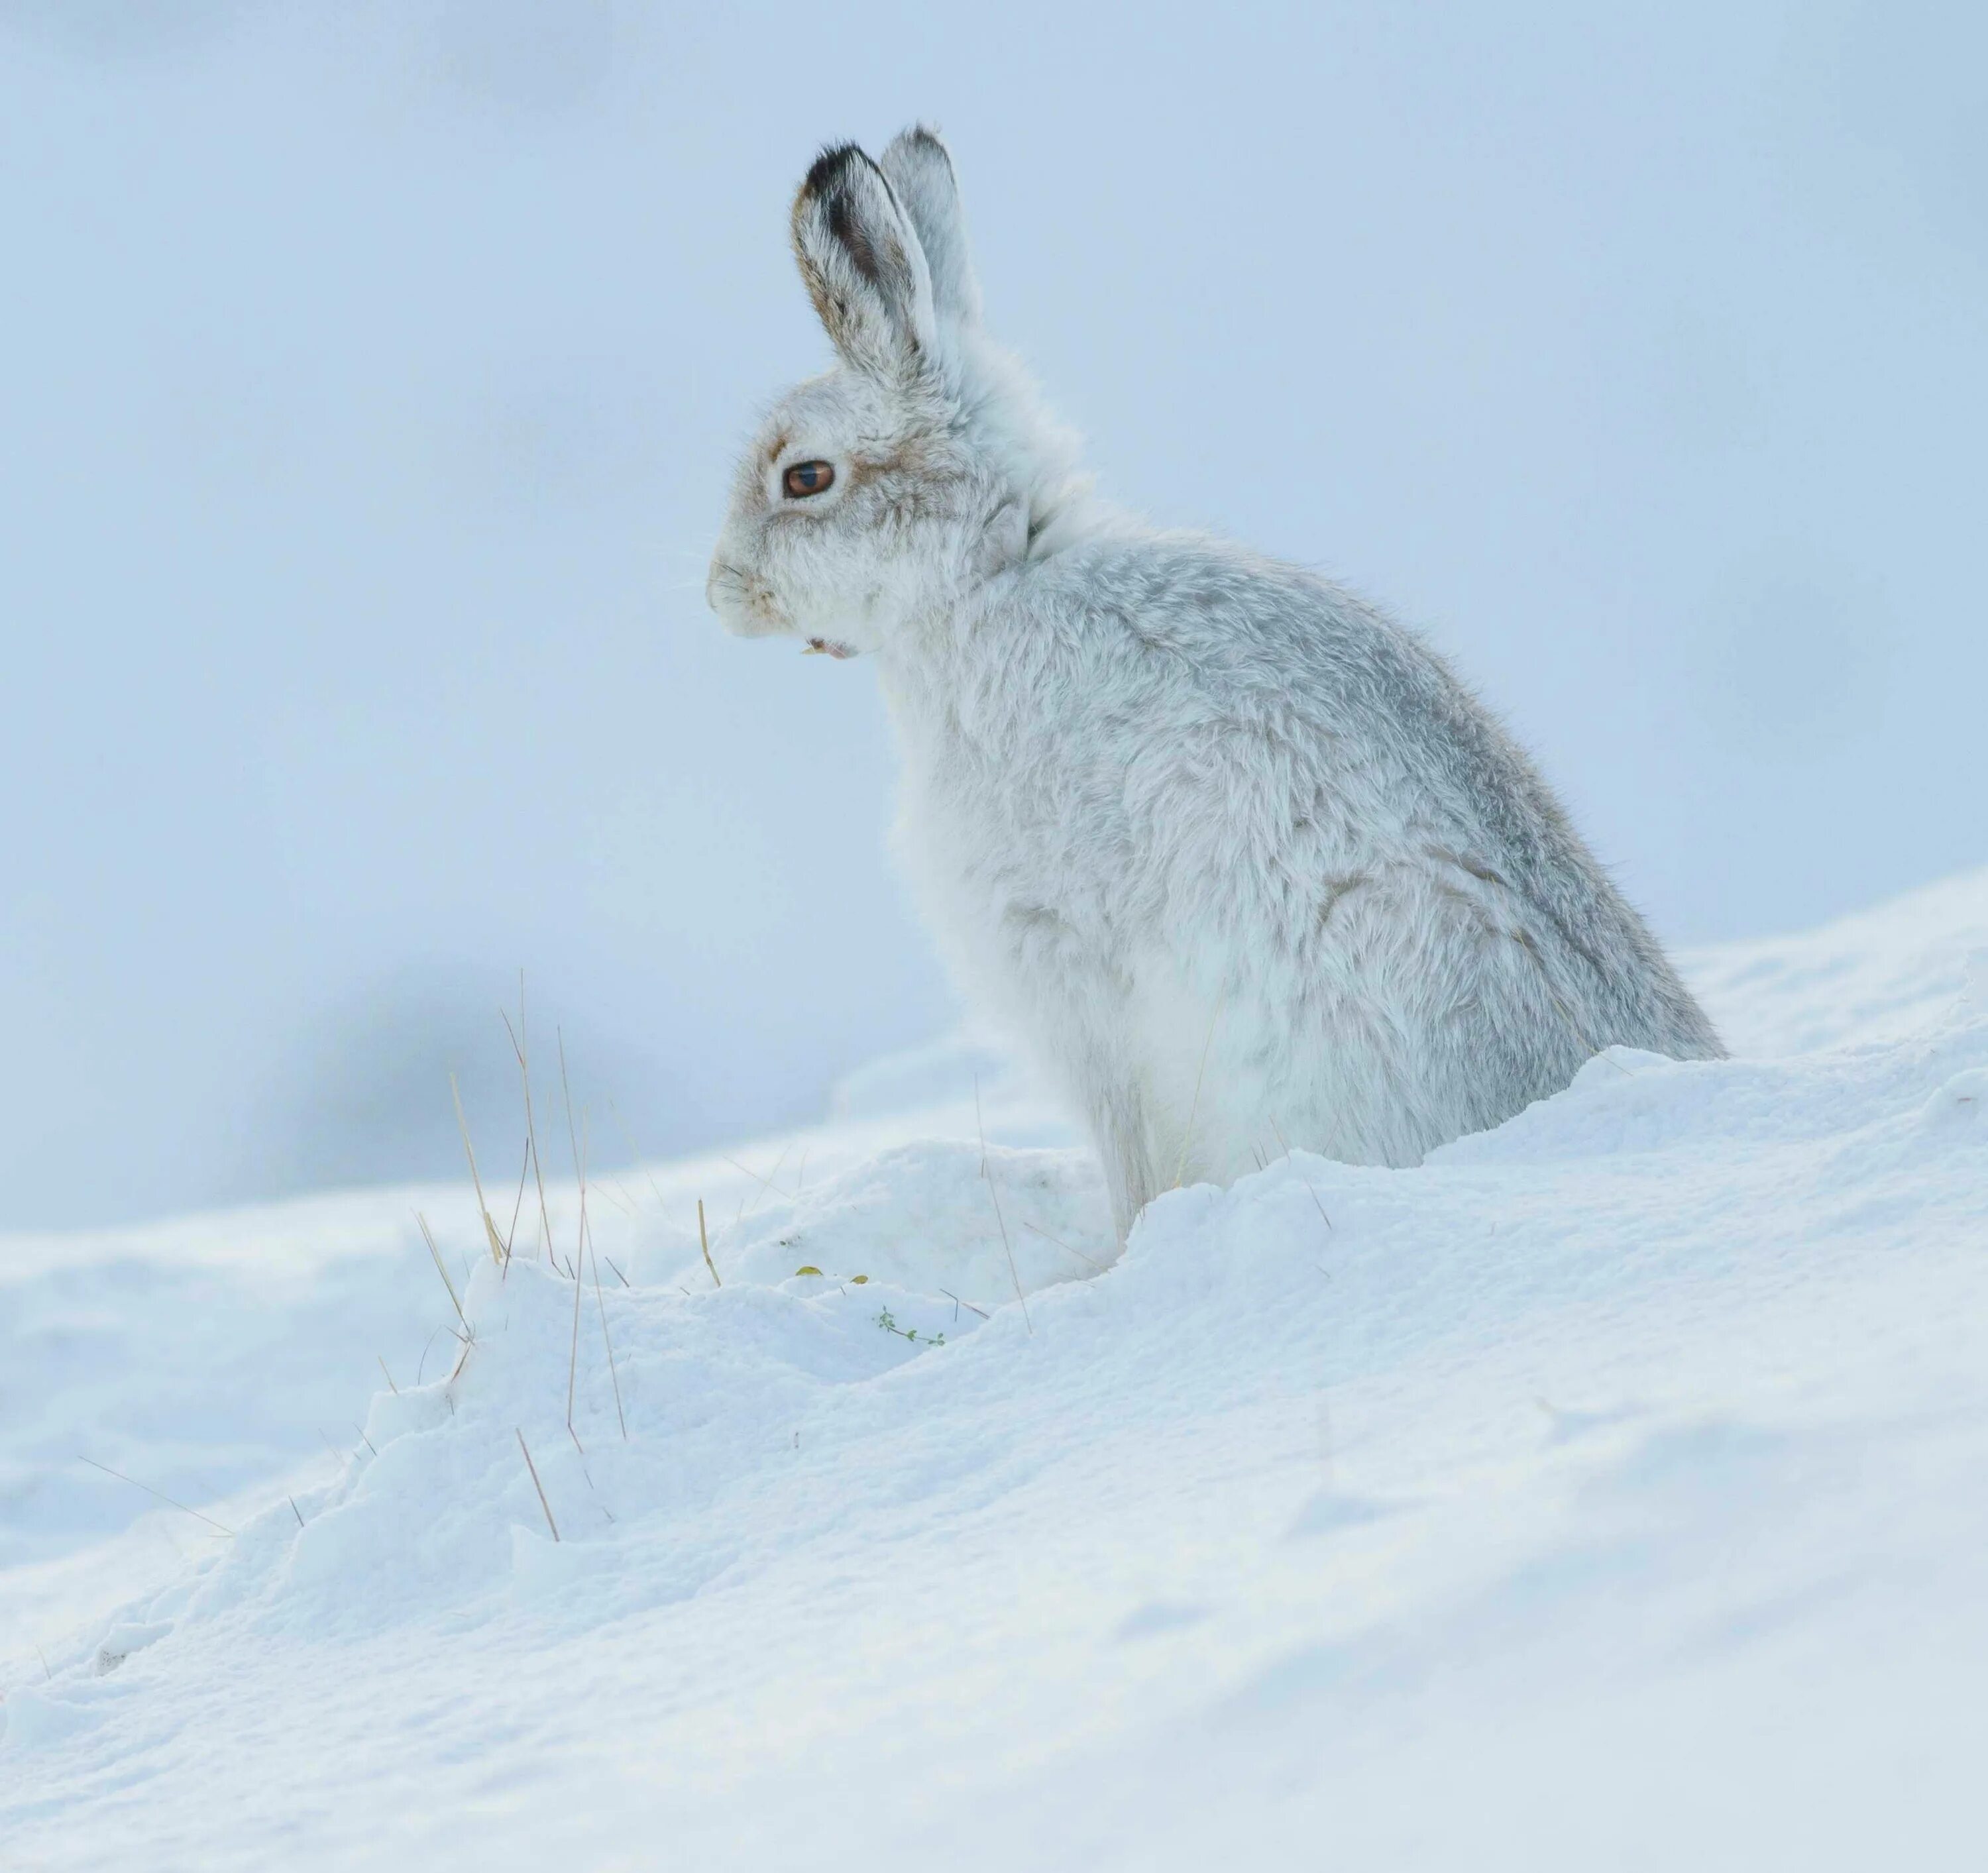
744, 602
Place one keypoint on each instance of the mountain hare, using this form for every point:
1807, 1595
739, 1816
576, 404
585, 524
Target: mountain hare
1241, 861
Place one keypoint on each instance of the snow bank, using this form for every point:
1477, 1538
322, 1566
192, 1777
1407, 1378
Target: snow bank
1879, 975
1608, 1491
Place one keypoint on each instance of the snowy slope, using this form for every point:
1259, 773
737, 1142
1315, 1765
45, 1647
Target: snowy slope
1610, 1490
1879, 975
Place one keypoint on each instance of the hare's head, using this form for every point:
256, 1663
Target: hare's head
888, 487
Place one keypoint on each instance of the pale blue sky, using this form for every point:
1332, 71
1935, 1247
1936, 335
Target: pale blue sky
370, 380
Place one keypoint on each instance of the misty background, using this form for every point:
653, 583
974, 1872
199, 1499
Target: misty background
369, 376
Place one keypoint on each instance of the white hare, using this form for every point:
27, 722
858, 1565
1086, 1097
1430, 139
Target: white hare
1237, 857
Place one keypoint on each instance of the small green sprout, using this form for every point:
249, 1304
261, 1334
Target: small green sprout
911, 1333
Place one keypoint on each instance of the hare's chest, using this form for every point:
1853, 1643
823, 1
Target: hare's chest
1019, 848
1007, 844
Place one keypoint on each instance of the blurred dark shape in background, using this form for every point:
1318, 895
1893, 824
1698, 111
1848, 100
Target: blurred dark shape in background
367, 1096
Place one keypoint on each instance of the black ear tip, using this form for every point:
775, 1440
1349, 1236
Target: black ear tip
829, 167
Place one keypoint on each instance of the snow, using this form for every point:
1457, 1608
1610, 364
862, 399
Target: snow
1608, 1491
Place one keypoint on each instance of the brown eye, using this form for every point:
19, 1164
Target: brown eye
807, 477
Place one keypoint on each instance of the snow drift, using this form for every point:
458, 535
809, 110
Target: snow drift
1608, 1490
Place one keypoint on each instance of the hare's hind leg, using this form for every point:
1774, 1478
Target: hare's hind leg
1073, 1010
1119, 1131
1100, 1084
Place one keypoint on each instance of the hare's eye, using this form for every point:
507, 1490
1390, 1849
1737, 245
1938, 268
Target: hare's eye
807, 477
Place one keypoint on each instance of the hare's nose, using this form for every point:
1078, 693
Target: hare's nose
728, 588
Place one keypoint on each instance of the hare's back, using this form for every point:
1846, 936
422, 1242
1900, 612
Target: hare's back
1193, 635
1302, 737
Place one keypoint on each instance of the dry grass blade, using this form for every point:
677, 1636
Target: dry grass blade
389, 1377
1302, 1179
1014, 1273
600, 1301
580, 1251
517, 1202
586, 1248
497, 1251
531, 1124
704, 1242
772, 1188
428, 1347
538, 1485
628, 1138
766, 1183
613, 1192
435, 1254
1034, 1228
160, 1494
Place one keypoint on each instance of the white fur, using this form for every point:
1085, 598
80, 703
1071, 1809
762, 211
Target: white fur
1235, 855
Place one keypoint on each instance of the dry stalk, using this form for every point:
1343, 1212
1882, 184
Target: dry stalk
618, 1197
1304, 1180
600, 1301
1036, 1228
428, 1236
517, 1202
627, 1138
531, 1127
497, 1251
538, 1485
766, 1182
160, 1493
704, 1241
746, 1169
1014, 1273
579, 1250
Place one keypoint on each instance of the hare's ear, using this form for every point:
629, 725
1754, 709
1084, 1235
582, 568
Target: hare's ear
864, 268
921, 172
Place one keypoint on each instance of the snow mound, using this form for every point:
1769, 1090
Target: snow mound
1608, 1490
950, 1218
1877, 975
